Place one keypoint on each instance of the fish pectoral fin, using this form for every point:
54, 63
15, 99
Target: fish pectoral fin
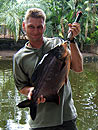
25, 103
33, 110
53, 98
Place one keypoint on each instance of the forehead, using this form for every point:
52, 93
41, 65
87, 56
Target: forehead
35, 21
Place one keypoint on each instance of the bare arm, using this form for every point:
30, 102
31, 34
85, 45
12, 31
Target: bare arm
76, 56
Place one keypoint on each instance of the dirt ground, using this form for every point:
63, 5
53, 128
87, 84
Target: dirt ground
9, 54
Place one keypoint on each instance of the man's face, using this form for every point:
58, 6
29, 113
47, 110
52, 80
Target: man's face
34, 28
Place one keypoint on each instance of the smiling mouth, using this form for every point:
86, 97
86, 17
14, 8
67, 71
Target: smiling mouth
35, 36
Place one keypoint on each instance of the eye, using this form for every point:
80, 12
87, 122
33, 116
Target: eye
31, 27
40, 27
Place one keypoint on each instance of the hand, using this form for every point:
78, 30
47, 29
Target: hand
75, 29
39, 100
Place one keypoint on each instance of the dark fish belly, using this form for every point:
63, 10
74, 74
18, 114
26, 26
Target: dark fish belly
51, 78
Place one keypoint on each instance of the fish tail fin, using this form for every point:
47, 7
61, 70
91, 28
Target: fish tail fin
32, 106
25, 103
33, 110
54, 98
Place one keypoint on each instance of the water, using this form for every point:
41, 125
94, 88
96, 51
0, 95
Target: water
85, 94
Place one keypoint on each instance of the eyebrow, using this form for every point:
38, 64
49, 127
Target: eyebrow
34, 26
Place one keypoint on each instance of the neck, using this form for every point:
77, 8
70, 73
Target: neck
36, 44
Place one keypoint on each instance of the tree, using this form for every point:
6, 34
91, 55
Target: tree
12, 14
59, 14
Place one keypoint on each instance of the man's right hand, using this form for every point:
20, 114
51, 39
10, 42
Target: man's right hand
28, 92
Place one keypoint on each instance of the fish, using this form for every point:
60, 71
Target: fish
49, 77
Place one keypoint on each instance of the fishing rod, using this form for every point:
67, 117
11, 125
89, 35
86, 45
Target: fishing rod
78, 15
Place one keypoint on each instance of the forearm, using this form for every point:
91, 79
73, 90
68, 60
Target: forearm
76, 58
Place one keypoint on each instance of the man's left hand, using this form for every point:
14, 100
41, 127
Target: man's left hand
75, 29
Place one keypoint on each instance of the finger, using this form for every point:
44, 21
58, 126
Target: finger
38, 101
70, 25
30, 93
41, 99
76, 25
75, 30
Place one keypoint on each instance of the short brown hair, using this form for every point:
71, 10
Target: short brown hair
35, 13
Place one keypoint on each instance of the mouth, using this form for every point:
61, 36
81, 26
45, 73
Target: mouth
36, 36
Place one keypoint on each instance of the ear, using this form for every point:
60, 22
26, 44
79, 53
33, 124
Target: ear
23, 25
44, 27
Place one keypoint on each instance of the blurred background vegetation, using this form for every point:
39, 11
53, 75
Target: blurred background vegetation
59, 14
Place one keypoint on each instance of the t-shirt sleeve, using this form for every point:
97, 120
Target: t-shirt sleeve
51, 43
20, 78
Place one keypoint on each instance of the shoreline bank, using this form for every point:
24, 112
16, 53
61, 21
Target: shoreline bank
8, 55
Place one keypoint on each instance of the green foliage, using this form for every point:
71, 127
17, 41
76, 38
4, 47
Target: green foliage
94, 36
12, 14
59, 13
59, 10
49, 29
87, 40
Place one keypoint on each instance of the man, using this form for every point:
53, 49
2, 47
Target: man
49, 115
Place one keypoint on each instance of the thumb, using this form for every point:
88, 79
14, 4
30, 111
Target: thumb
70, 25
30, 93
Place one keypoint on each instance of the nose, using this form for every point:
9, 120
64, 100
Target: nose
35, 31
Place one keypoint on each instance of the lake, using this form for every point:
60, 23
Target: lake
85, 95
